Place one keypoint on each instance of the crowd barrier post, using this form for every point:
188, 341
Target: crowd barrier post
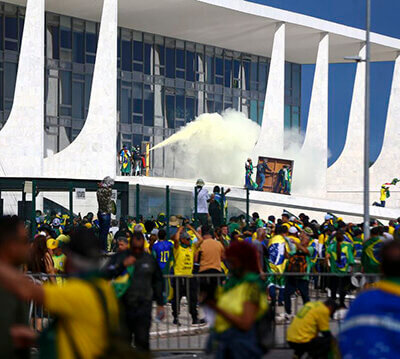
137, 202
167, 210
71, 201
247, 206
195, 206
222, 205
33, 209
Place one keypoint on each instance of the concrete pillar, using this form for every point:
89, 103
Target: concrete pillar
345, 176
270, 142
21, 139
93, 153
315, 146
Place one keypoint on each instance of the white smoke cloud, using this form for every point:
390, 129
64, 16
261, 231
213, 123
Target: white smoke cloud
214, 147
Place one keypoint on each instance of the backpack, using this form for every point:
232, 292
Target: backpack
297, 263
118, 346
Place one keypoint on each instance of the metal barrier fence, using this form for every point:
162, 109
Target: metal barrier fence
185, 336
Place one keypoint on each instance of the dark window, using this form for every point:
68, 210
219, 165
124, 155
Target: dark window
77, 100
189, 66
138, 51
180, 106
148, 108
11, 28
1, 33
210, 69
78, 48
228, 73
147, 59
137, 98
65, 38
190, 113
170, 63
65, 95
170, 112
54, 41
126, 109
126, 58
91, 42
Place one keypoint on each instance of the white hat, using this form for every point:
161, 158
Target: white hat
328, 217
293, 218
293, 230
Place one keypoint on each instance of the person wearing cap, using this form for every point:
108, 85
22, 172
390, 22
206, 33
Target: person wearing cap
58, 258
293, 235
173, 225
310, 321
184, 252
77, 305
371, 327
299, 261
160, 222
203, 198
385, 194
56, 225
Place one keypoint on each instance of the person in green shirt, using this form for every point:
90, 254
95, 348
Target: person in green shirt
299, 261
371, 256
340, 257
233, 225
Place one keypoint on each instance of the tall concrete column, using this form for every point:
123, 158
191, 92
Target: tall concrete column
270, 142
345, 176
21, 139
387, 165
315, 144
93, 153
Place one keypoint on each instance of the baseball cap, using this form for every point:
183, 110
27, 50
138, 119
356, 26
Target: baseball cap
293, 230
200, 182
328, 217
52, 243
154, 231
308, 231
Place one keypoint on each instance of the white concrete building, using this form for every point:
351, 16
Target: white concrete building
120, 72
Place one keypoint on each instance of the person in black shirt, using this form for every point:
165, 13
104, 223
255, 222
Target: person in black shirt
146, 283
261, 168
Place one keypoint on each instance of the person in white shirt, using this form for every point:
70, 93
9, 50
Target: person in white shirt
203, 198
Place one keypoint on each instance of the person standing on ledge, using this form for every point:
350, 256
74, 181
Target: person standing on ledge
125, 161
261, 168
249, 172
203, 198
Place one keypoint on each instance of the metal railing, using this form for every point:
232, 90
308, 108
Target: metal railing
185, 336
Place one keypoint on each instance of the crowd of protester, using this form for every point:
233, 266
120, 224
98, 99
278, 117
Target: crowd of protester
262, 263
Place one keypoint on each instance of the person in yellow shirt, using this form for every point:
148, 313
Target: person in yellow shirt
58, 260
385, 194
310, 321
184, 252
238, 305
81, 328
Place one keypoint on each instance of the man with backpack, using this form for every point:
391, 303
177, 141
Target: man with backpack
299, 261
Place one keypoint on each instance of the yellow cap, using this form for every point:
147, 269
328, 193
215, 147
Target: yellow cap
88, 225
63, 238
52, 243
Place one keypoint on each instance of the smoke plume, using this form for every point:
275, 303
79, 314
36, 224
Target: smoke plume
214, 147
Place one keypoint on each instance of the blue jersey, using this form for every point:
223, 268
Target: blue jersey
162, 251
372, 325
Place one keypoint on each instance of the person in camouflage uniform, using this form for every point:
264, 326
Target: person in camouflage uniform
106, 208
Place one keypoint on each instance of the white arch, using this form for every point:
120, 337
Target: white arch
315, 145
93, 153
270, 142
21, 139
344, 176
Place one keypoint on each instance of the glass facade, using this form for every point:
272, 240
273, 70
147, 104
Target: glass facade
163, 83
